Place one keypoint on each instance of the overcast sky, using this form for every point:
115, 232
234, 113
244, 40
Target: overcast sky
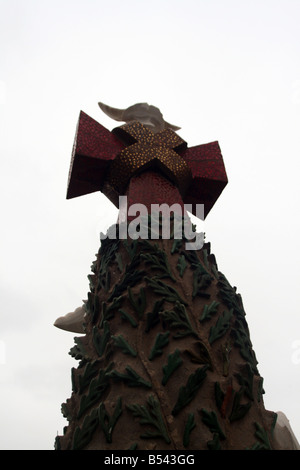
221, 70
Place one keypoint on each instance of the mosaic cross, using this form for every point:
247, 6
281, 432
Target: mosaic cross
145, 166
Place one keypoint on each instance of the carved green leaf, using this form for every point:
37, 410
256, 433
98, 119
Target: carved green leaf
178, 319
226, 349
108, 309
92, 306
97, 387
126, 316
158, 260
246, 381
161, 340
130, 278
188, 392
78, 351
100, 340
209, 310
174, 361
138, 302
82, 436
181, 265
108, 422
238, 410
242, 341
262, 435
91, 278
89, 372
151, 416
190, 425
153, 317
119, 261
260, 389
229, 296
221, 327
177, 244
131, 378
121, 343
201, 356
210, 419
168, 292
201, 280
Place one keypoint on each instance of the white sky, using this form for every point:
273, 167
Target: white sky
222, 70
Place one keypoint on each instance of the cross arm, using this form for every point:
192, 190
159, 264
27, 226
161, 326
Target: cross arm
209, 176
94, 148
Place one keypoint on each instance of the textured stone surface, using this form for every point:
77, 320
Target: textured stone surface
166, 361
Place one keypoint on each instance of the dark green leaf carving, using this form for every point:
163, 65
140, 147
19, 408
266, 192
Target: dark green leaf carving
126, 316
221, 327
104, 281
92, 306
168, 292
131, 378
130, 278
215, 443
121, 343
226, 349
209, 310
190, 425
108, 422
119, 261
242, 341
153, 317
201, 355
100, 340
151, 416
106, 256
161, 340
78, 351
83, 435
238, 410
91, 278
229, 296
158, 260
260, 390
178, 319
188, 392
107, 312
97, 387
89, 372
177, 244
246, 381
262, 435
201, 280
139, 302
174, 361
181, 265
210, 419
74, 386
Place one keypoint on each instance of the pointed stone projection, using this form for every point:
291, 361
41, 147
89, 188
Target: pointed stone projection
165, 361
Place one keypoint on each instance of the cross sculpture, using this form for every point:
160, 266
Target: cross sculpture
116, 163
166, 360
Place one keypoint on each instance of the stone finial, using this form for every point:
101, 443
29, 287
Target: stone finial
148, 115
